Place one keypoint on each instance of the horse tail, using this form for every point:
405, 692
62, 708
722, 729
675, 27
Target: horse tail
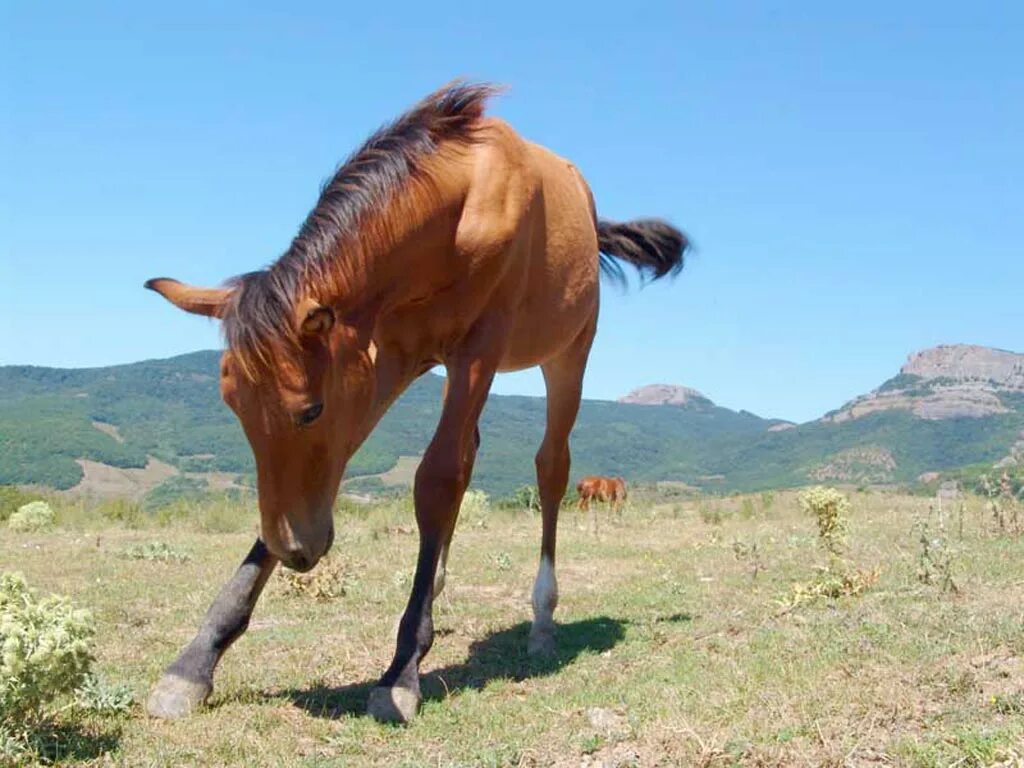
654, 247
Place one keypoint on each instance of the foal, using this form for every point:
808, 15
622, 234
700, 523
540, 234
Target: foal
606, 489
447, 239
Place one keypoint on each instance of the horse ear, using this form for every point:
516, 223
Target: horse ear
209, 302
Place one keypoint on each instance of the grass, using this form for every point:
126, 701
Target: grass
673, 649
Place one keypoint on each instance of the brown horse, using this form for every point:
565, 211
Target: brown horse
607, 489
447, 239
603, 489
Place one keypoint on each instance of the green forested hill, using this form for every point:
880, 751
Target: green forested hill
171, 410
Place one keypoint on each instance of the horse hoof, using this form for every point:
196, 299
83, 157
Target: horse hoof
541, 643
174, 697
393, 705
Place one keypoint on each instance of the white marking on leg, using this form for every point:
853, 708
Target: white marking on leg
545, 594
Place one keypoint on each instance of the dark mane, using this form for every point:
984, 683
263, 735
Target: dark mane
261, 308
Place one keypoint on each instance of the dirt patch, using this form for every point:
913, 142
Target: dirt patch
402, 474
217, 481
104, 480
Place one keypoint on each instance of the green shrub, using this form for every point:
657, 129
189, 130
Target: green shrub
34, 516
711, 514
830, 509
526, 497
156, 551
102, 698
833, 584
747, 508
476, 508
936, 558
44, 650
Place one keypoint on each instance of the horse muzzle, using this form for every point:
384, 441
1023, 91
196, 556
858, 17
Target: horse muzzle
302, 560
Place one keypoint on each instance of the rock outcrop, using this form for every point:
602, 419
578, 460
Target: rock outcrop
946, 382
666, 394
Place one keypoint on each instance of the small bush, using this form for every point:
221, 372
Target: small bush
830, 509
936, 557
502, 561
476, 508
833, 584
156, 551
749, 552
45, 650
525, 497
747, 508
102, 698
1003, 503
712, 515
34, 516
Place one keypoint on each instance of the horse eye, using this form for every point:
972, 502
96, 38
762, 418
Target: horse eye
308, 415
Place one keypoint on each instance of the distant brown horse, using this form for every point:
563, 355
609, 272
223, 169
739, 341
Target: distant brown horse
603, 489
447, 239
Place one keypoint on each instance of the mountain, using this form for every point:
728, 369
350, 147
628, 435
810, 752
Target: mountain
947, 382
666, 394
160, 424
129, 428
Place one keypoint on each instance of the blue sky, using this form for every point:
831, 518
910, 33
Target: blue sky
851, 173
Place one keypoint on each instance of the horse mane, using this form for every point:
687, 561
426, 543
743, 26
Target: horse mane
259, 317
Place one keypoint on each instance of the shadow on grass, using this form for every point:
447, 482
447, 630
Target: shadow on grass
500, 656
71, 742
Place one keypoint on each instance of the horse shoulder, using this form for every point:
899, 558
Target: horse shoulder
503, 187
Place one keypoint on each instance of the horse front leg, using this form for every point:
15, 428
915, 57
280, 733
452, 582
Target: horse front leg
188, 681
441, 481
440, 485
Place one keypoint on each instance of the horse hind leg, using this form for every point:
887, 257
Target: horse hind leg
563, 377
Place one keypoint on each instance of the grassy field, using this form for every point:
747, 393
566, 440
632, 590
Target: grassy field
679, 641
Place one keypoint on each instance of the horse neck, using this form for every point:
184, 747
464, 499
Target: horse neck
402, 251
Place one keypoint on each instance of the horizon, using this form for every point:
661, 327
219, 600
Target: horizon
617, 398
850, 179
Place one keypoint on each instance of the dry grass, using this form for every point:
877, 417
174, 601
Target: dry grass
673, 650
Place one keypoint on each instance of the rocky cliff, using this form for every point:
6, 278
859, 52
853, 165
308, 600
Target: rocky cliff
946, 382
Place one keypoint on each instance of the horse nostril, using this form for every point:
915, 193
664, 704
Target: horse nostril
298, 561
